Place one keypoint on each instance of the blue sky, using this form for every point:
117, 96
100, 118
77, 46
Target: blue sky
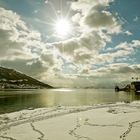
129, 14
99, 40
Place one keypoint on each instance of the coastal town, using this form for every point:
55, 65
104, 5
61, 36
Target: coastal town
17, 84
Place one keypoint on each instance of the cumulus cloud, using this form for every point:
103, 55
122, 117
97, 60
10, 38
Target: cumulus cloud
103, 77
82, 56
135, 43
93, 14
81, 50
68, 62
104, 64
88, 51
109, 75
96, 26
122, 52
85, 52
122, 70
21, 47
99, 19
15, 34
84, 5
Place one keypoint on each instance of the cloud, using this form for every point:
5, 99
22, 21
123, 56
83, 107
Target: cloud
96, 27
22, 47
122, 71
84, 5
128, 33
83, 59
135, 43
103, 77
109, 75
99, 19
15, 34
93, 14
82, 56
82, 49
86, 53
122, 52
76, 18
136, 19
102, 20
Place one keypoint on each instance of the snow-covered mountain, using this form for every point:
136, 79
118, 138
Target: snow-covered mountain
12, 79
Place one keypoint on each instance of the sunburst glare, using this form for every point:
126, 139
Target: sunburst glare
62, 27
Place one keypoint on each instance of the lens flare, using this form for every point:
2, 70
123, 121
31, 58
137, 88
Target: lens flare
62, 27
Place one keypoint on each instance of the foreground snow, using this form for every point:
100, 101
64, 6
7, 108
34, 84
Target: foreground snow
119, 121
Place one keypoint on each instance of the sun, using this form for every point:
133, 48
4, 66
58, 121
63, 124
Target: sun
63, 27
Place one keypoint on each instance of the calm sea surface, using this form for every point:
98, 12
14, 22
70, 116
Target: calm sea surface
28, 99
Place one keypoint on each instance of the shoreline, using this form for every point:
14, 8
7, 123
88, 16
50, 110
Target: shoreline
120, 120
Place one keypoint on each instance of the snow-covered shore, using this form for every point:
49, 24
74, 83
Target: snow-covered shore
118, 121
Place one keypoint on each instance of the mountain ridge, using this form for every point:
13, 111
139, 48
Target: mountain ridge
12, 79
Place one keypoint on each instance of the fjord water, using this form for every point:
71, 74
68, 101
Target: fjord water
12, 100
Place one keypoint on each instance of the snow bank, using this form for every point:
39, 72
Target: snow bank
106, 121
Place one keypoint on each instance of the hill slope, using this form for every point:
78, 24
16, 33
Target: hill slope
9, 78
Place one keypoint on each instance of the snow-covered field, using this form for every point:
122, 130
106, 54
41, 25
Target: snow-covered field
120, 121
